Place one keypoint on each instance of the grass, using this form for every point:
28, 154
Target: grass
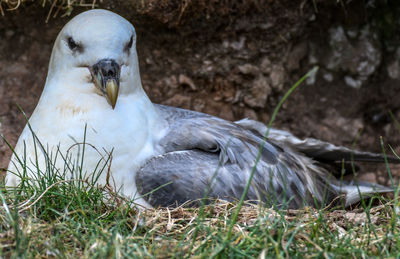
56, 216
68, 221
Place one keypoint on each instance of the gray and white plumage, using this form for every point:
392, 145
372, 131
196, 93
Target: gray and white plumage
207, 157
94, 82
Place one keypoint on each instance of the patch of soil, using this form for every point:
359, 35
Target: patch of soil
237, 60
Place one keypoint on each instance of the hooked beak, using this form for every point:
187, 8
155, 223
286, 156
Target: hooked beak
105, 76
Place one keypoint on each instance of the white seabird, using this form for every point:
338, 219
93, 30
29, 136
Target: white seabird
93, 83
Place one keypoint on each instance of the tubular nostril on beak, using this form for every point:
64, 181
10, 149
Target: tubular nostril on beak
107, 69
110, 73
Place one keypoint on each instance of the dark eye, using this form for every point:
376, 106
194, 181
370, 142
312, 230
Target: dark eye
129, 44
72, 44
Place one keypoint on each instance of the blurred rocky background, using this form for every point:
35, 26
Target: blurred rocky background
234, 59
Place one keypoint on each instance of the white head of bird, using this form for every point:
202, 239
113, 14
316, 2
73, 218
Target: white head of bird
98, 48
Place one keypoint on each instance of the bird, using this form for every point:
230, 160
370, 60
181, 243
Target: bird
93, 106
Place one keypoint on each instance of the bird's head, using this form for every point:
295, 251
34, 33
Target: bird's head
98, 47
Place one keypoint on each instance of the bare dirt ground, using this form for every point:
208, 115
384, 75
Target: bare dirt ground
237, 60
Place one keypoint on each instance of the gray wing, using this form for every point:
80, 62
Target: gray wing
318, 150
178, 177
194, 130
188, 176
198, 146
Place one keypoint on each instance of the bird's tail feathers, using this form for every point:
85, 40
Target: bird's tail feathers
356, 191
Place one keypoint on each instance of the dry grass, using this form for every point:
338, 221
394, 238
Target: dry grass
350, 224
120, 231
56, 7
74, 218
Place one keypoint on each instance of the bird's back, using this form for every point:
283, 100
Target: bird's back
208, 156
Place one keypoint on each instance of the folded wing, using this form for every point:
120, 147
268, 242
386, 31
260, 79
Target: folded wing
205, 156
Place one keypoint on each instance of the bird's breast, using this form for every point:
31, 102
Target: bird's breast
119, 139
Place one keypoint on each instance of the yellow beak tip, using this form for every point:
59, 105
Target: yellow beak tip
112, 89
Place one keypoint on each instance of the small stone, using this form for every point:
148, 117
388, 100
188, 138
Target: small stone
352, 33
149, 61
355, 83
184, 80
277, 77
248, 69
266, 65
238, 45
217, 98
328, 77
259, 92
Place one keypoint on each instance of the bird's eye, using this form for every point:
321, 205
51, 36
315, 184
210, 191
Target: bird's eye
72, 44
129, 44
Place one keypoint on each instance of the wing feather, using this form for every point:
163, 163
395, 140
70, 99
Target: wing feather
192, 175
314, 148
207, 157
